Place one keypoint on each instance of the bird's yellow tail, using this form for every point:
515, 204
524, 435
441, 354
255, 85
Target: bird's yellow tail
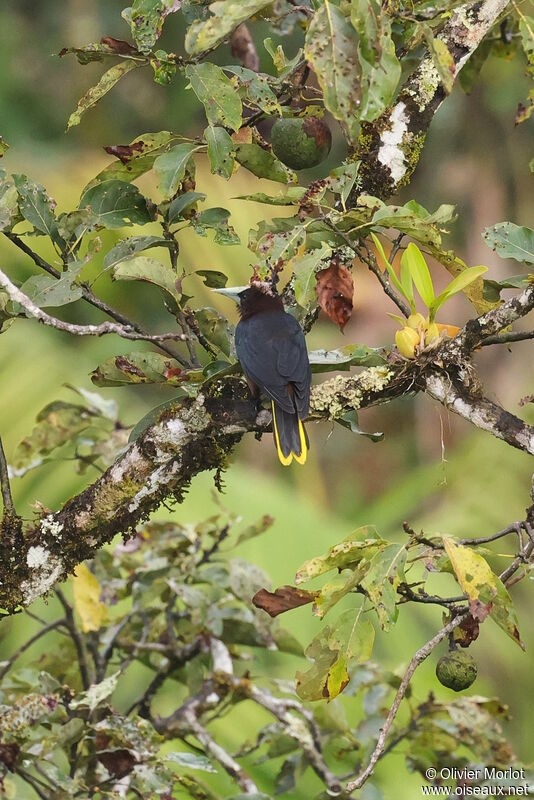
289, 436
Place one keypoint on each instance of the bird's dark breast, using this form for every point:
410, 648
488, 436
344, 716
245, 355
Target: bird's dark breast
272, 351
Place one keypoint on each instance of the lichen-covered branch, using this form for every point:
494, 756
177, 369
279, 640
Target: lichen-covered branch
390, 146
199, 434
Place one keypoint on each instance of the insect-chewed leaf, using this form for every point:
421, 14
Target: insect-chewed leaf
349, 641
351, 355
332, 50
146, 18
46, 291
282, 599
381, 69
256, 89
217, 94
96, 93
96, 693
57, 424
304, 269
226, 16
86, 590
171, 167
485, 590
216, 219
126, 248
263, 164
335, 290
215, 328
9, 202
361, 543
144, 367
116, 204
37, 207
511, 241
221, 151
143, 268
381, 580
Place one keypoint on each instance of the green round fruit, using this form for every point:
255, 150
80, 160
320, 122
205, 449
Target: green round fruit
301, 142
457, 670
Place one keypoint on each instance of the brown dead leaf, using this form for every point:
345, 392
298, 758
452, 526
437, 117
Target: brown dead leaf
125, 152
335, 289
283, 599
243, 48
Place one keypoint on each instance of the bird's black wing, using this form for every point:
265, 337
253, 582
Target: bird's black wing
272, 351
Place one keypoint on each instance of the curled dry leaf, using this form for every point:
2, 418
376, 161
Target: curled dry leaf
335, 289
283, 599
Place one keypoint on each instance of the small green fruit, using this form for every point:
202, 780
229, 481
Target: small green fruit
301, 142
457, 670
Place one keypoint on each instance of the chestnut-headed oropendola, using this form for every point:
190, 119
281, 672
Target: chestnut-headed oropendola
271, 347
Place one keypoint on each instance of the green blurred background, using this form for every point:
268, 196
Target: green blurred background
431, 469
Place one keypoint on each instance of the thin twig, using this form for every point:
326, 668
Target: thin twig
28, 643
508, 338
81, 650
417, 659
89, 296
125, 331
369, 259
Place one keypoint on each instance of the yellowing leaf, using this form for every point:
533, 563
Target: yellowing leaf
92, 612
485, 590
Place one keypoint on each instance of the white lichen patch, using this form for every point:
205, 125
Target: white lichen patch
341, 394
46, 570
37, 557
390, 153
426, 84
51, 526
159, 478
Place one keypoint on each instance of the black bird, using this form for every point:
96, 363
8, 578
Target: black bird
271, 347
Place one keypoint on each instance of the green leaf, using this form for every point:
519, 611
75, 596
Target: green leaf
213, 278
381, 581
134, 159
221, 151
139, 367
226, 16
392, 274
46, 291
96, 694
350, 421
350, 355
415, 262
332, 50
116, 204
216, 219
256, 89
381, 70
304, 269
335, 590
458, 284
263, 163
511, 241
183, 206
96, 93
291, 196
217, 93
57, 424
146, 18
171, 167
190, 761
411, 218
215, 328
361, 543
334, 650
283, 244
442, 58
486, 592
9, 202
493, 289
143, 268
37, 207
126, 248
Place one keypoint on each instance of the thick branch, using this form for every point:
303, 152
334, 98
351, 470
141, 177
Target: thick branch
390, 146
